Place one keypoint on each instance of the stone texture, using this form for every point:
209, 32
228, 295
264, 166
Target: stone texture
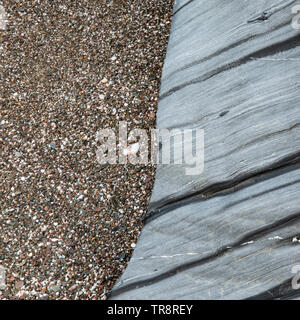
232, 69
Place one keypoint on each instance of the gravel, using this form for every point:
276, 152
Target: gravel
68, 224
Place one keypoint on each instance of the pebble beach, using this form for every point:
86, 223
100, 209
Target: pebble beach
68, 224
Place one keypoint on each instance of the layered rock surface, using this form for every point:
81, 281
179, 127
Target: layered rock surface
233, 232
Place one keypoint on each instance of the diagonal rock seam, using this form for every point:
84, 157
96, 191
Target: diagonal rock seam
271, 50
180, 8
287, 164
224, 50
220, 252
283, 291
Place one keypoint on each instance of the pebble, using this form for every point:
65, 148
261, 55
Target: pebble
19, 284
151, 115
52, 145
73, 288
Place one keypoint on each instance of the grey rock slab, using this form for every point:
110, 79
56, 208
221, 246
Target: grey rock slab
231, 69
261, 217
